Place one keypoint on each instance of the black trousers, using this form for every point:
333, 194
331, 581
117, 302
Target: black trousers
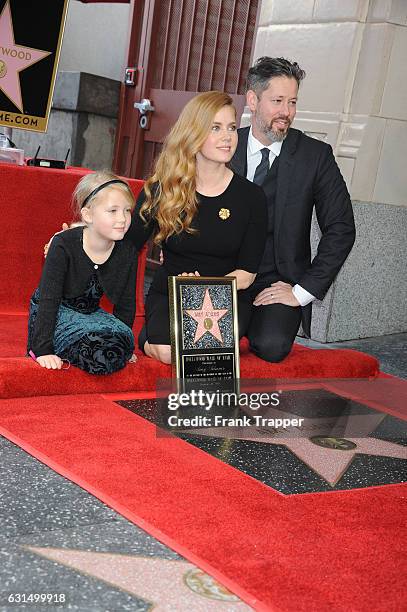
271, 329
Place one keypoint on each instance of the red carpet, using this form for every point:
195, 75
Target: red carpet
333, 551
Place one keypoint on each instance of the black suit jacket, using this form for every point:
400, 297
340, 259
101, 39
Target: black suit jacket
308, 177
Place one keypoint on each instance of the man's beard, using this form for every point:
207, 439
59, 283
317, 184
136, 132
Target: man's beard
269, 133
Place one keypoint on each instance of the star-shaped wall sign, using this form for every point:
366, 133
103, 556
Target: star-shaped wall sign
14, 58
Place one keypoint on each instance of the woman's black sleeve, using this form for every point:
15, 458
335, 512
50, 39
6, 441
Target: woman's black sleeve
139, 232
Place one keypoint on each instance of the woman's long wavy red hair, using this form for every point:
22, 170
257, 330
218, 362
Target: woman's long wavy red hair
171, 191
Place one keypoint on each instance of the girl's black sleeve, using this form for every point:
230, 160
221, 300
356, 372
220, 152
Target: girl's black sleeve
50, 296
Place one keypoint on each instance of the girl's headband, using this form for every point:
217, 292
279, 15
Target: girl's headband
102, 186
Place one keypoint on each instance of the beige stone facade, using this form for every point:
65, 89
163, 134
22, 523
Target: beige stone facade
355, 92
96, 39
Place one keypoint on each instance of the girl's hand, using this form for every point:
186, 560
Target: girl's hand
51, 362
133, 358
196, 273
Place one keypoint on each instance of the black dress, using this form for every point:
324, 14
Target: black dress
231, 234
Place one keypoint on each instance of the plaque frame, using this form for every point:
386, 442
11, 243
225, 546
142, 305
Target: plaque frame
178, 351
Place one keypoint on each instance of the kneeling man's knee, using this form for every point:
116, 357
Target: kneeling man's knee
271, 349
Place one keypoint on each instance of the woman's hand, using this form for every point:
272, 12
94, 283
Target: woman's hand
65, 226
244, 279
51, 362
196, 273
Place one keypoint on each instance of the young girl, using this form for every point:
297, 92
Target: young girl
66, 322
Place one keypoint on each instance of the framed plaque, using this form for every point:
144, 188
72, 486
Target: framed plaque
204, 328
30, 44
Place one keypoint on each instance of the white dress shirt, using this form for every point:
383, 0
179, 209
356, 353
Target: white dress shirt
254, 148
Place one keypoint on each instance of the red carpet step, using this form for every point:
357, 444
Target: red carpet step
21, 377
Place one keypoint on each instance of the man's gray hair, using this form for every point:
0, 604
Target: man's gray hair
267, 68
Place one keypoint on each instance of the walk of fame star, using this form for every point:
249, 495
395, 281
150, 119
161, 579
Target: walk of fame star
330, 457
207, 318
13, 59
165, 584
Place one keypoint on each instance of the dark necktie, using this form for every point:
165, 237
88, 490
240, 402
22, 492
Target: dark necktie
262, 168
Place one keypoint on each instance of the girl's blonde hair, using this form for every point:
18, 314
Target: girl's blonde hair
171, 191
89, 183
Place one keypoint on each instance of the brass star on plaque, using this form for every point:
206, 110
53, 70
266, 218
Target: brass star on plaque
207, 318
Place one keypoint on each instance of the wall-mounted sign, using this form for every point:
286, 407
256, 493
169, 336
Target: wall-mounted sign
30, 43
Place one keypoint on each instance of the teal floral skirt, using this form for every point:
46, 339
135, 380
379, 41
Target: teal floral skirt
86, 335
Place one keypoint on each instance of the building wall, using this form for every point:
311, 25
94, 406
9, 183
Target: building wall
83, 119
96, 39
355, 92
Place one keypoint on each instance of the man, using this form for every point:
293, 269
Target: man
297, 174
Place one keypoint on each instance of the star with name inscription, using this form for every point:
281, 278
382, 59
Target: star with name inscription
13, 59
207, 318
